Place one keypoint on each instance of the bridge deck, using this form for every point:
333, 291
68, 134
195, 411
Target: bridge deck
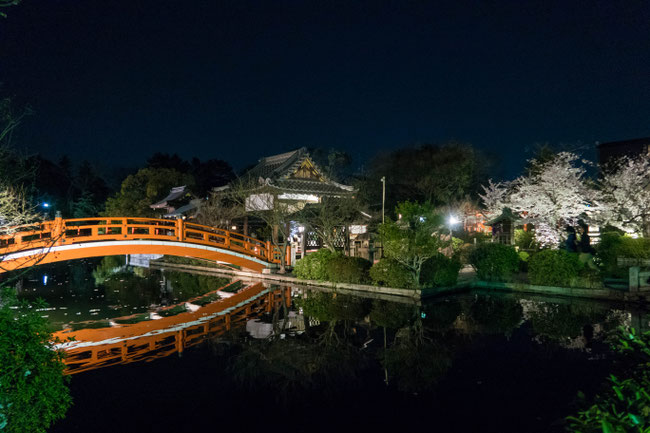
58, 240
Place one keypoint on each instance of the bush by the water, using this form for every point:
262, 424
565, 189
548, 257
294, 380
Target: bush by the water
553, 268
314, 265
391, 273
439, 271
612, 246
494, 262
344, 269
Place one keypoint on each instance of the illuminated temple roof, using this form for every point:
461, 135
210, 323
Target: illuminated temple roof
295, 172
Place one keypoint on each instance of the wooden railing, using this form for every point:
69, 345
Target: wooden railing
85, 230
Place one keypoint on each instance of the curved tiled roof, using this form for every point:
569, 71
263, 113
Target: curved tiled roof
276, 171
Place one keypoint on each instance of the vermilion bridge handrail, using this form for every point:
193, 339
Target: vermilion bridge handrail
84, 230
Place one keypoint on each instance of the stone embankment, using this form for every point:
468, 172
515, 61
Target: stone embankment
466, 281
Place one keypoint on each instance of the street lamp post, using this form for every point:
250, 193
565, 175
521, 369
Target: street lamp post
383, 210
383, 198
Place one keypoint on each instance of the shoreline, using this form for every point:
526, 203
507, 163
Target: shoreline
603, 294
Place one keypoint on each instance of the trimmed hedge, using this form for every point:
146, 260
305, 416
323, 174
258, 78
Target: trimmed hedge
554, 268
344, 269
390, 273
439, 271
612, 246
494, 262
314, 265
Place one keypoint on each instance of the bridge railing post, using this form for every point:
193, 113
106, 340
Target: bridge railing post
179, 230
269, 251
58, 230
287, 257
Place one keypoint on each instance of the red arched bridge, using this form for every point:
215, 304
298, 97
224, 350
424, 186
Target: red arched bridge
67, 239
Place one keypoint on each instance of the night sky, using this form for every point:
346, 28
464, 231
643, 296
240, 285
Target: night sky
114, 81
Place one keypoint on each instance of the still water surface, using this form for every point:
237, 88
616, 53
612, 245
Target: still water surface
170, 351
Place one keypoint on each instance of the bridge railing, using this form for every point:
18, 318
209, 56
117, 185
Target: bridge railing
84, 230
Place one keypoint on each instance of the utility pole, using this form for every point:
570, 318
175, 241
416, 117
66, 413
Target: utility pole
383, 210
383, 198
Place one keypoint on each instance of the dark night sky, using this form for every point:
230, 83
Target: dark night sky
117, 80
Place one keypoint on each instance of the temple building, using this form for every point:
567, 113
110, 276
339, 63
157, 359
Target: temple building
294, 178
177, 204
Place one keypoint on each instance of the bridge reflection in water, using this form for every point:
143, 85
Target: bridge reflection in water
148, 340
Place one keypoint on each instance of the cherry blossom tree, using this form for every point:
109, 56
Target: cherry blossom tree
556, 194
626, 191
495, 198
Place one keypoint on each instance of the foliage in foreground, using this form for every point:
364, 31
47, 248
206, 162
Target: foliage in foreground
33, 390
625, 404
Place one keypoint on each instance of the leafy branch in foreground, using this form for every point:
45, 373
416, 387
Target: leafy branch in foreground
33, 389
625, 404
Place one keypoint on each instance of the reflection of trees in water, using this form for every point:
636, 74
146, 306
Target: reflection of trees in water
326, 360
128, 289
186, 285
392, 315
494, 314
326, 306
416, 361
563, 321
107, 267
296, 365
131, 286
442, 315
415, 346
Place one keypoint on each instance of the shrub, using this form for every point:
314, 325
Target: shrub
523, 261
612, 246
553, 268
525, 239
391, 273
494, 262
344, 269
439, 271
314, 265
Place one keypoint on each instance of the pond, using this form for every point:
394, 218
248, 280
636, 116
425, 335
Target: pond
170, 351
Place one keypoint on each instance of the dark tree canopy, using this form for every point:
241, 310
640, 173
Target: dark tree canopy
207, 174
438, 174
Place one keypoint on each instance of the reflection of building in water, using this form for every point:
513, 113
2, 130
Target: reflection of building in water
153, 339
295, 324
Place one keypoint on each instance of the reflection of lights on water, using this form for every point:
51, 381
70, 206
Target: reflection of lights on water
45, 280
